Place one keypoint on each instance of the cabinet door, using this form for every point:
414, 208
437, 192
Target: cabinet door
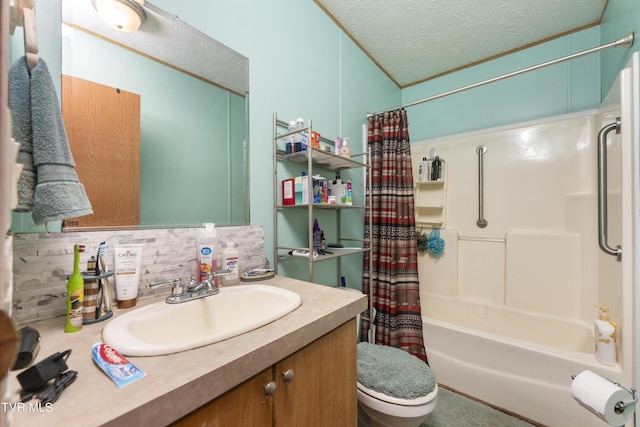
323, 389
245, 405
103, 127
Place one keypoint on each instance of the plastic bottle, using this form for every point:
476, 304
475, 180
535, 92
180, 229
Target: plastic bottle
302, 136
605, 334
317, 236
349, 196
345, 150
338, 189
207, 261
75, 294
230, 258
290, 138
91, 264
296, 136
436, 169
423, 171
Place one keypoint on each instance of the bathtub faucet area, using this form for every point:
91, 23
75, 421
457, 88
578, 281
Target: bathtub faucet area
193, 290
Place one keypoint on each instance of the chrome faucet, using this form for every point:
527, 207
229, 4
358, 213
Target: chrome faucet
194, 290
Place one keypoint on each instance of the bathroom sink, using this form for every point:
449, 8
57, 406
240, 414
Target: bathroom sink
162, 328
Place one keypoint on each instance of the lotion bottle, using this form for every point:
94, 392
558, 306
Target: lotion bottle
345, 150
605, 334
75, 294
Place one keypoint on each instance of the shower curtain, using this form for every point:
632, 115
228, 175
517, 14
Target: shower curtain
393, 278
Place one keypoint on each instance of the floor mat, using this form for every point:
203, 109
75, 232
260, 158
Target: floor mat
454, 410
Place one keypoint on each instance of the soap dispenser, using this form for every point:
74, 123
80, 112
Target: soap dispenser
345, 150
605, 335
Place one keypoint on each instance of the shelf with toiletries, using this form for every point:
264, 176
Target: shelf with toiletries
309, 195
430, 199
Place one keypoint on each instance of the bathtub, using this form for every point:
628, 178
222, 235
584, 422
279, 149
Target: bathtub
515, 360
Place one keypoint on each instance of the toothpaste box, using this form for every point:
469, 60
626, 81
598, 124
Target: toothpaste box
302, 190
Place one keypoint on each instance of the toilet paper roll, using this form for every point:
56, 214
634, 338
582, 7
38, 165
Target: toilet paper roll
600, 396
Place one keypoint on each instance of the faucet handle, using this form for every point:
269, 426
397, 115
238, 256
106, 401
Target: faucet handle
176, 287
192, 283
210, 283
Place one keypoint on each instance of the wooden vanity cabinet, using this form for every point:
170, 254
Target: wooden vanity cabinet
315, 387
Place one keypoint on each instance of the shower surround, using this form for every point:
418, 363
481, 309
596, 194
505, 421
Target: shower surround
508, 309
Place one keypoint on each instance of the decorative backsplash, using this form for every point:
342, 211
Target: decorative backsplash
42, 262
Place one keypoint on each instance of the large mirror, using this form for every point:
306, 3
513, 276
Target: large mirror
192, 95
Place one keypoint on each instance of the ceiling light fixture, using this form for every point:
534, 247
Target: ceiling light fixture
124, 15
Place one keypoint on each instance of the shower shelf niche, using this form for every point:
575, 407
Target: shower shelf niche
430, 201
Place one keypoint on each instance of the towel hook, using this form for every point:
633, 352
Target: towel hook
23, 14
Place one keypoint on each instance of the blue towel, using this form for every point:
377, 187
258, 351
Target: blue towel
19, 101
58, 194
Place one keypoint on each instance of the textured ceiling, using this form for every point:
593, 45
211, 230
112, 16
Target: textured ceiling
415, 40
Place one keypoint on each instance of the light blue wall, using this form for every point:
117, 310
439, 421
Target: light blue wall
301, 65
620, 18
567, 87
558, 89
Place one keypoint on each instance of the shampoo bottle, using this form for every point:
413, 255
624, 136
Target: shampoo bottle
605, 334
230, 258
207, 261
423, 171
75, 294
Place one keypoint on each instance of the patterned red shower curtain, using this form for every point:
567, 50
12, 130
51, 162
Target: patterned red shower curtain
394, 274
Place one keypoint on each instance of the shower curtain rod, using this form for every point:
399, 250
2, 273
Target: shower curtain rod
625, 41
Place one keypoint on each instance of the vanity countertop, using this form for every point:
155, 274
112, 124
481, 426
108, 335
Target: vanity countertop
178, 383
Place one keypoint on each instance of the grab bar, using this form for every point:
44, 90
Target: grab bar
602, 189
481, 222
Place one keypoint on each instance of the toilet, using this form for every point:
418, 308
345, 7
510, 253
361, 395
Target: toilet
405, 393
395, 389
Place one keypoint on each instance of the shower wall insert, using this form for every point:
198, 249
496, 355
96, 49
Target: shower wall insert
508, 309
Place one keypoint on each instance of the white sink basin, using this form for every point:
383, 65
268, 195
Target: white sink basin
162, 328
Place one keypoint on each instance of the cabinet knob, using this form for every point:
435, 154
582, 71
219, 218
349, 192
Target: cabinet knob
269, 390
287, 376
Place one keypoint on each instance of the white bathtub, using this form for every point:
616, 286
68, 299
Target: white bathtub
514, 360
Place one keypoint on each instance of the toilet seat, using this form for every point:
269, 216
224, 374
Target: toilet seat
398, 401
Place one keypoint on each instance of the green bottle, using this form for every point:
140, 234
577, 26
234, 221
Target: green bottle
75, 294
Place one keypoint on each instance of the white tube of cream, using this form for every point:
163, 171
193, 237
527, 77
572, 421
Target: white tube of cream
127, 274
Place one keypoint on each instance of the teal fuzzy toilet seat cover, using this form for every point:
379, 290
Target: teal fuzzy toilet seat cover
393, 372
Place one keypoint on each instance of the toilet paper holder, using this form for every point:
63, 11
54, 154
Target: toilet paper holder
620, 406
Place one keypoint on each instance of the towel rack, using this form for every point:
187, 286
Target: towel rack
602, 190
481, 222
23, 14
